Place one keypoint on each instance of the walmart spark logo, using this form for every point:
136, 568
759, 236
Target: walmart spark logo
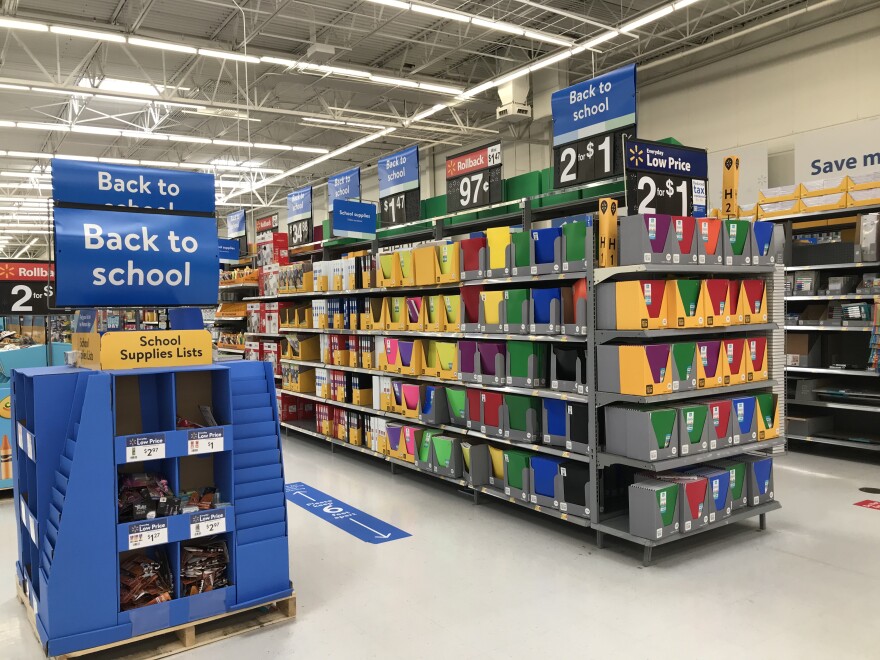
636, 155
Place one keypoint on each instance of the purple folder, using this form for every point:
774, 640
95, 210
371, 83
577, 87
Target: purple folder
657, 228
393, 431
488, 351
406, 352
709, 352
397, 392
658, 360
467, 351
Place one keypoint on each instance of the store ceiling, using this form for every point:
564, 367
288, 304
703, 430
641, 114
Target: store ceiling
278, 107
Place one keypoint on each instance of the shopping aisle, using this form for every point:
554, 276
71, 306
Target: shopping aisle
493, 581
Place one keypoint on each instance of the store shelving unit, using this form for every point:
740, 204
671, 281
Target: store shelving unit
77, 431
232, 323
824, 416
604, 512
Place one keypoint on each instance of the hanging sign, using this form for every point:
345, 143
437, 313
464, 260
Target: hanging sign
665, 179
127, 249
228, 249
590, 122
399, 200
236, 224
299, 217
345, 185
26, 287
354, 219
473, 179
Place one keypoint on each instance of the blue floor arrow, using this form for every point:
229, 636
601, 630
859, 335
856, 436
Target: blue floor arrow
344, 516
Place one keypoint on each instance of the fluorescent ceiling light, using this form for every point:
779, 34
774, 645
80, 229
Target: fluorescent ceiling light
120, 99
228, 55
266, 145
602, 38
28, 154
120, 85
511, 76
360, 125
397, 82
26, 175
311, 150
342, 71
550, 60
427, 113
58, 92
649, 18
440, 13
16, 24
189, 138
21, 88
498, 25
473, 91
236, 143
280, 60
540, 36
87, 34
319, 120
144, 135
91, 159
159, 163
7, 124
96, 130
392, 3
42, 126
443, 89
119, 161
162, 45
681, 4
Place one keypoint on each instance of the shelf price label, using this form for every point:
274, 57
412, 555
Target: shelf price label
473, 179
145, 534
149, 447
665, 179
207, 524
204, 441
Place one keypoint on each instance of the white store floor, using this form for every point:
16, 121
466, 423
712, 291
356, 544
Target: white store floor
495, 581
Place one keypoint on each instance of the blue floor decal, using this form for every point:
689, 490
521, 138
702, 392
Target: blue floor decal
342, 515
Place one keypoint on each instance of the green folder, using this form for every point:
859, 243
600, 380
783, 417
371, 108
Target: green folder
514, 299
737, 233
737, 479
453, 309
516, 461
456, 398
386, 263
670, 509
431, 354
443, 448
518, 353
424, 448
689, 292
683, 359
693, 419
767, 406
434, 305
521, 248
406, 263
395, 309
518, 406
447, 354
575, 241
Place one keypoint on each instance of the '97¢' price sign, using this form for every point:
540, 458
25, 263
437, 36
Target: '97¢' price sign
26, 287
473, 179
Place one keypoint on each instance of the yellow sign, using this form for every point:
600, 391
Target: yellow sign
88, 344
730, 188
607, 232
166, 348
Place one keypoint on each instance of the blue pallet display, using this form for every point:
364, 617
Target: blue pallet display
75, 429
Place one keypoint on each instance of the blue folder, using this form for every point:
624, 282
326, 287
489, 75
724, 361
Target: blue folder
743, 410
545, 240
763, 232
555, 413
762, 473
545, 469
541, 299
429, 400
718, 486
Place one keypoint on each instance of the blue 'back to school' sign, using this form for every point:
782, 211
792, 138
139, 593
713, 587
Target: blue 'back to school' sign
399, 172
163, 252
345, 185
299, 204
598, 105
342, 515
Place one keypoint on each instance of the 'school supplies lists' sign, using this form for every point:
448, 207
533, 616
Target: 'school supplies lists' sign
109, 257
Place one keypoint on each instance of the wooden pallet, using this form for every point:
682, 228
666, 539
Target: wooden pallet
169, 641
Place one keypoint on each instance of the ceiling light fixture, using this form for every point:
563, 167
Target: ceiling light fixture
281, 61
602, 38
681, 4
162, 45
392, 3
17, 24
426, 113
88, 34
498, 25
648, 18
440, 13
538, 36
228, 55
189, 138
396, 82
42, 126
443, 89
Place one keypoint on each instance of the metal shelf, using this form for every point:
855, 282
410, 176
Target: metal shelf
452, 429
824, 215
843, 405
606, 459
229, 318
603, 336
861, 264
843, 296
238, 287
619, 526
238, 351
604, 274
828, 328
528, 391
303, 428
264, 334
424, 334
817, 439
606, 398
834, 372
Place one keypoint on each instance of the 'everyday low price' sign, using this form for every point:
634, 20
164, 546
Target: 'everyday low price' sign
162, 252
